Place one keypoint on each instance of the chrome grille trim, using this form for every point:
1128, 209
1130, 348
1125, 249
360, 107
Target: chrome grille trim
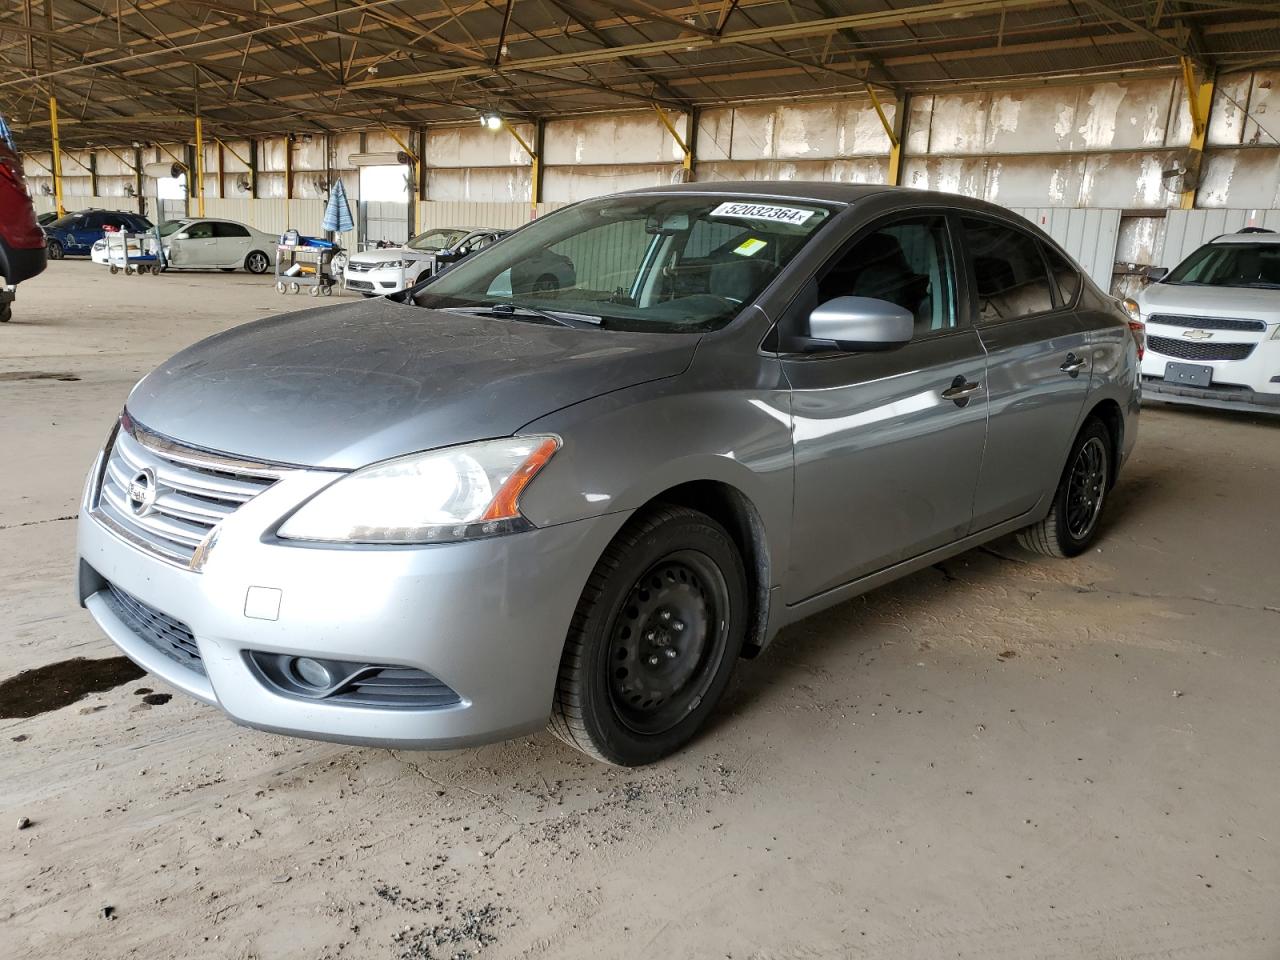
1207, 323
195, 490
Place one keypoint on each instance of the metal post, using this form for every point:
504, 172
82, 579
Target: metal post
57, 156
93, 173
1199, 103
199, 167
894, 173
535, 160
536, 178
137, 181
288, 176
253, 169
685, 150
901, 111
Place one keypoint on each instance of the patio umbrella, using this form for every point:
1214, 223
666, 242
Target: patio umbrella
337, 213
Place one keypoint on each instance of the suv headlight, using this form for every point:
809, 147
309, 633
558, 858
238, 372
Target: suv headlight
1131, 308
457, 493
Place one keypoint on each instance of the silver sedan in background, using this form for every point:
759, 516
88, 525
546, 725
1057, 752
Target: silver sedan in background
447, 516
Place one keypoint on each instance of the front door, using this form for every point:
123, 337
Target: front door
887, 443
1037, 366
198, 248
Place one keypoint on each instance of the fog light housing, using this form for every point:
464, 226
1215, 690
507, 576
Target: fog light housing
312, 672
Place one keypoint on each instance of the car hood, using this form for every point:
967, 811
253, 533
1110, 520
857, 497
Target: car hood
1245, 303
387, 254
348, 385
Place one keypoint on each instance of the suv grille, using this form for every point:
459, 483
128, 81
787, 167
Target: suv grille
166, 498
1208, 323
171, 637
1186, 350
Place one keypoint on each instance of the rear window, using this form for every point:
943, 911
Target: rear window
1008, 270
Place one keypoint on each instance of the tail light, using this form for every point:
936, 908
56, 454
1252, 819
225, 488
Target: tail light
1139, 331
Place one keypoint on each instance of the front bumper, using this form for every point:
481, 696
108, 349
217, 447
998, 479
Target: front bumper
1252, 383
378, 282
23, 263
486, 617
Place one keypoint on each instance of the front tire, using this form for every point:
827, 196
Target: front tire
6, 312
653, 640
257, 262
54, 250
1073, 520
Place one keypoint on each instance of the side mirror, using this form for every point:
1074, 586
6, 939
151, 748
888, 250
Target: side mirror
862, 323
1155, 274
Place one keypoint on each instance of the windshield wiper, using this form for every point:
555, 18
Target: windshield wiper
577, 320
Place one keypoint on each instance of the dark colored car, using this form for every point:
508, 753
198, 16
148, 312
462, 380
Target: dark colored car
22, 253
76, 233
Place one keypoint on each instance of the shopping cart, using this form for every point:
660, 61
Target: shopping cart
135, 252
307, 265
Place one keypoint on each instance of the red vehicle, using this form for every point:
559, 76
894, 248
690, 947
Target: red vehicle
22, 253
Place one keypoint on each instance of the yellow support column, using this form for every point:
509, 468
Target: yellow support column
57, 156
1199, 103
199, 167
685, 150
535, 167
893, 176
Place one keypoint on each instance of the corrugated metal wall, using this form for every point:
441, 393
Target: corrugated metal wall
1088, 235
1184, 230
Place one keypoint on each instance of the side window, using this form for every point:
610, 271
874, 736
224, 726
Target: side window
90, 221
1065, 275
1010, 275
199, 231
110, 222
907, 262
229, 230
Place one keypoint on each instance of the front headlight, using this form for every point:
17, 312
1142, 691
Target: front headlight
393, 264
457, 493
1131, 308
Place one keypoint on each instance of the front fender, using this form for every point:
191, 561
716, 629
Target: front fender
626, 448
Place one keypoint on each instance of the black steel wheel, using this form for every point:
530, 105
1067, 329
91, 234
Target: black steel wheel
257, 262
1072, 523
654, 638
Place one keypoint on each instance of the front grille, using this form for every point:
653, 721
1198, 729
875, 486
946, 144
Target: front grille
1207, 323
355, 684
1187, 350
171, 637
168, 499
354, 266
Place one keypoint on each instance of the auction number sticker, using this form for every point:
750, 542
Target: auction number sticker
762, 211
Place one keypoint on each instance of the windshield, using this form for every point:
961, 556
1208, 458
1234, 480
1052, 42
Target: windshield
1230, 265
172, 226
436, 239
677, 263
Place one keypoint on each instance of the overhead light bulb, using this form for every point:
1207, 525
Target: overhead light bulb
492, 121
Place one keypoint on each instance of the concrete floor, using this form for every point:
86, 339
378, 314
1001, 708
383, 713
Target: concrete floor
1000, 757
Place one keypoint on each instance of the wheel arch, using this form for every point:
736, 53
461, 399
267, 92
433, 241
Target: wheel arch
734, 511
1108, 412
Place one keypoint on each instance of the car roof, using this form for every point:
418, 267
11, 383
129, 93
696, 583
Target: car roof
1259, 237
822, 191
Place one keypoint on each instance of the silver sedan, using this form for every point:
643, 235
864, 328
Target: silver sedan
451, 515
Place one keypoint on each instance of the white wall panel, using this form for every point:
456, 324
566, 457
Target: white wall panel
1089, 236
1185, 230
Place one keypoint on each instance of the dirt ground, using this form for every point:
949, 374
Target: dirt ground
1000, 757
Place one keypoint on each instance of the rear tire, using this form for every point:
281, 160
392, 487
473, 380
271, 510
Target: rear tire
6, 312
653, 640
54, 250
1073, 520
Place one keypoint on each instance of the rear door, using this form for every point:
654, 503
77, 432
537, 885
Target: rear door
86, 231
1037, 364
233, 243
887, 443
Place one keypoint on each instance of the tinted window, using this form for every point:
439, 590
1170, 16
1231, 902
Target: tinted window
199, 231
111, 222
1009, 273
1065, 275
229, 230
906, 262
90, 221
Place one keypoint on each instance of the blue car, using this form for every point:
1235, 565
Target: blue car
76, 233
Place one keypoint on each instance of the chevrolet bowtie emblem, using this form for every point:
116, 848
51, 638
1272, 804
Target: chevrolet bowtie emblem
1197, 334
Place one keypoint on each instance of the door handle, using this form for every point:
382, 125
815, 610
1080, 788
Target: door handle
961, 390
1073, 365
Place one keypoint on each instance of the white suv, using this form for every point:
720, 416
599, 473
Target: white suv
1213, 326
